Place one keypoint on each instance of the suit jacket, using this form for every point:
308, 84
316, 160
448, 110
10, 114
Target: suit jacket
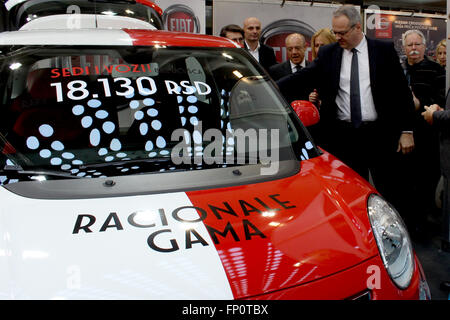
391, 94
280, 70
441, 119
266, 55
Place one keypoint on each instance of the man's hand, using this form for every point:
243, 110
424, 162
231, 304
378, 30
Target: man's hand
406, 143
314, 98
428, 113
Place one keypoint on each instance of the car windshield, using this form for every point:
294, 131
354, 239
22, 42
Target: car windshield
27, 11
88, 112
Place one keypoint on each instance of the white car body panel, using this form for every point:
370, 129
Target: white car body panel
86, 21
42, 258
77, 37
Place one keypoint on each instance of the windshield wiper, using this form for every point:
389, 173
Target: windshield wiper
238, 161
38, 172
124, 162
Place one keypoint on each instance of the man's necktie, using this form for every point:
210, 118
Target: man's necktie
298, 67
355, 99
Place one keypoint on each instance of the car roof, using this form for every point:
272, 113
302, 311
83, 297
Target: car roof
103, 37
86, 21
66, 20
11, 3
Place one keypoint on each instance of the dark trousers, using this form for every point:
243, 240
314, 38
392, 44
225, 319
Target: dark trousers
420, 178
446, 214
419, 174
368, 148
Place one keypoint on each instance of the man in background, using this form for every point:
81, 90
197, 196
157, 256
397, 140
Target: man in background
233, 32
440, 119
295, 48
264, 54
426, 79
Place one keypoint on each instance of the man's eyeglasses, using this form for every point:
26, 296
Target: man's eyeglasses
342, 33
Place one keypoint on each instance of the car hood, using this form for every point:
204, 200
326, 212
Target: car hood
226, 243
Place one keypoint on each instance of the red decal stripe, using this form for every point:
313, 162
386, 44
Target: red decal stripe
166, 38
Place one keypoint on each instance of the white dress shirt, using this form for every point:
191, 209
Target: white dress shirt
368, 111
294, 66
254, 53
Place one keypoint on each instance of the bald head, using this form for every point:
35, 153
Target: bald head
252, 31
296, 38
296, 46
251, 20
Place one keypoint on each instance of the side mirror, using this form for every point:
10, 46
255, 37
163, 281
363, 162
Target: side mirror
306, 111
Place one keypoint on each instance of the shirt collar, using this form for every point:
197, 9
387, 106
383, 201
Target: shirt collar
303, 63
248, 47
361, 45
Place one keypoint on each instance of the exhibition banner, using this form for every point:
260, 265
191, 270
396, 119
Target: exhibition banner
391, 25
183, 15
278, 20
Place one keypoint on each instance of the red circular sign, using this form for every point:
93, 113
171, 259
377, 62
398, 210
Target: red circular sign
181, 22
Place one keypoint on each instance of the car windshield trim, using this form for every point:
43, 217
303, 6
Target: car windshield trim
13, 170
151, 183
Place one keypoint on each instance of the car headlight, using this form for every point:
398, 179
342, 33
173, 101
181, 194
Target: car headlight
392, 239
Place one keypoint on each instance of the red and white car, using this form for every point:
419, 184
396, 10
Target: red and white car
144, 164
81, 14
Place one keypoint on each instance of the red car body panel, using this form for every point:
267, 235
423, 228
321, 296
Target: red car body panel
181, 39
310, 225
344, 284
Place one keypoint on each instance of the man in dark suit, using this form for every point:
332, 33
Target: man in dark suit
367, 107
264, 54
295, 48
440, 119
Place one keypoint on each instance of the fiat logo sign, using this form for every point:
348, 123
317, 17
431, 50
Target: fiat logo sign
180, 18
275, 33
